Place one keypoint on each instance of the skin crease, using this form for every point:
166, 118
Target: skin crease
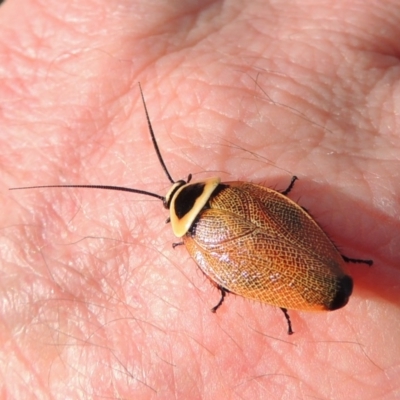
94, 301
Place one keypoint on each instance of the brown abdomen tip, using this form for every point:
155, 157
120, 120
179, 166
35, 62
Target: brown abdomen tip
343, 293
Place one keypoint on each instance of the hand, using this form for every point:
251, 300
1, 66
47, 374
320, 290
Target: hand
95, 302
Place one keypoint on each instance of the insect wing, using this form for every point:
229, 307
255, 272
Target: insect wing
257, 243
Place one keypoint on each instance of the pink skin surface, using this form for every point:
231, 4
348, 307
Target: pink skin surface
95, 303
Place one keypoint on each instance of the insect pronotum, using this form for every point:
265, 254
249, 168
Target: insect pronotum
252, 241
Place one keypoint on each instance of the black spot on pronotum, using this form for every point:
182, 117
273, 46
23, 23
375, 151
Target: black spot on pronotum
185, 200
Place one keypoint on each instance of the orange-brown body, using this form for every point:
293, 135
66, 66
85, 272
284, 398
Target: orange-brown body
259, 244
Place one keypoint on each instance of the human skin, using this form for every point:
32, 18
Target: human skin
95, 302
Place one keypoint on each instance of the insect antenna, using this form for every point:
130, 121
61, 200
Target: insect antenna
120, 188
106, 187
153, 138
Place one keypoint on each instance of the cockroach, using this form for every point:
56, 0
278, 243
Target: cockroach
252, 241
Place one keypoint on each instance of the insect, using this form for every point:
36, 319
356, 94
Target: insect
252, 241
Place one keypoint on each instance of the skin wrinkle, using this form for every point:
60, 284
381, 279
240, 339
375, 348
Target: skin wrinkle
58, 111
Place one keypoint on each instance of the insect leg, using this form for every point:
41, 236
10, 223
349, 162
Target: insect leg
290, 187
221, 300
177, 244
356, 260
290, 331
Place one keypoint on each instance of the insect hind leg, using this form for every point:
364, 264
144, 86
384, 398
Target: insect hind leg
357, 260
289, 322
